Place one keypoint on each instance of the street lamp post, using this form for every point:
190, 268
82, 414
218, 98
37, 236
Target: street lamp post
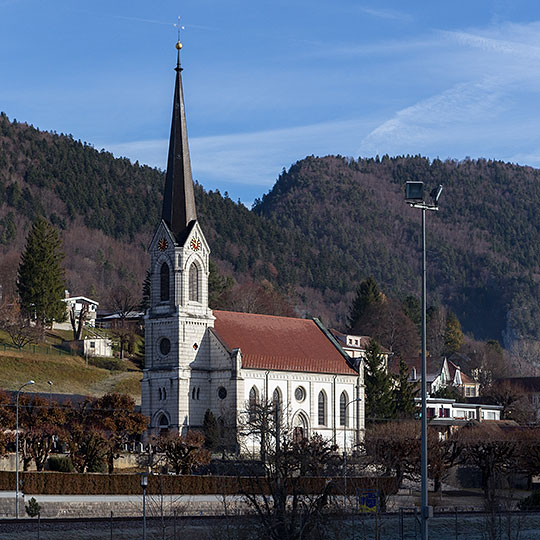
17, 449
144, 485
414, 195
50, 383
345, 446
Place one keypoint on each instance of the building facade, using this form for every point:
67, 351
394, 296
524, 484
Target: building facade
198, 360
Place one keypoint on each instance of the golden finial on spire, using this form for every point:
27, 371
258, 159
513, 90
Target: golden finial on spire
179, 27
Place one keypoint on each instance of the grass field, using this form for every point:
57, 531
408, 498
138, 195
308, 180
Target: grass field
69, 374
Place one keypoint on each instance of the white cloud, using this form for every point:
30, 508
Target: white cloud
386, 14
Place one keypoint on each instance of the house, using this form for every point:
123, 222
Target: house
441, 373
356, 346
77, 303
200, 360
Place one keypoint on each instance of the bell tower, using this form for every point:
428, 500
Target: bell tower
177, 354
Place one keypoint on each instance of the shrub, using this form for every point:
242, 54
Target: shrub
60, 464
112, 364
33, 508
532, 502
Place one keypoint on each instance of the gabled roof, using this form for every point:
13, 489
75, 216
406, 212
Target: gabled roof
280, 343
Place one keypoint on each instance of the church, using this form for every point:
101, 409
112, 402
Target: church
198, 359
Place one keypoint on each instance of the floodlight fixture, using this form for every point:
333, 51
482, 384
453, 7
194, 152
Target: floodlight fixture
414, 191
436, 193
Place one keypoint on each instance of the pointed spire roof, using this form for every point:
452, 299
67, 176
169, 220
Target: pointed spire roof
178, 199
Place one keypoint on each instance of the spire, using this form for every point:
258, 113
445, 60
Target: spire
178, 199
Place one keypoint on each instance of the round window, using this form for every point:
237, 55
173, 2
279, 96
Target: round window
300, 393
222, 392
164, 346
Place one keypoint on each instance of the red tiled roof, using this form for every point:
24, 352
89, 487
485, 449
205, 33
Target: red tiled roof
280, 343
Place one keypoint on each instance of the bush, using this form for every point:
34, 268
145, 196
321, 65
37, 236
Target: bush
60, 464
532, 502
112, 364
33, 508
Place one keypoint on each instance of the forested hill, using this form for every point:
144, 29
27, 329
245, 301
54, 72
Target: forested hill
327, 223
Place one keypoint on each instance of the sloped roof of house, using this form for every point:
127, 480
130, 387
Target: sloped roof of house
363, 341
433, 366
281, 343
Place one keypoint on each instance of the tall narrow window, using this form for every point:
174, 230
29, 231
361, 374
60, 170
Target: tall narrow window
252, 403
164, 283
343, 400
322, 408
194, 283
276, 398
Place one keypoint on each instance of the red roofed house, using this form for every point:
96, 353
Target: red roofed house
198, 359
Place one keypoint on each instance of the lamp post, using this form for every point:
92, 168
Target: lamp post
414, 196
144, 485
345, 446
17, 449
50, 383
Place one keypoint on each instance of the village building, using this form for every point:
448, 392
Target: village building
200, 360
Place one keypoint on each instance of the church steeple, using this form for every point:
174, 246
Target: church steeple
178, 200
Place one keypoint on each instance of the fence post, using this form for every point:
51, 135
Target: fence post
401, 523
38, 524
457, 534
111, 525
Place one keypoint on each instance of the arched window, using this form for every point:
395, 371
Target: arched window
194, 283
276, 398
163, 422
160, 394
343, 400
193, 393
252, 403
164, 393
322, 408
198, 392
164, 291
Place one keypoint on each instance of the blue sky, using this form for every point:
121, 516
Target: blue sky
268, 82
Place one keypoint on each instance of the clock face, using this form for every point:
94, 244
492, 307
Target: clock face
195, 244
163, 244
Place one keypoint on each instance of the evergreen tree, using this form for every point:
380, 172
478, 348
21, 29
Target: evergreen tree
404, 393
453, 336
211, 430
367, 294
145, 302
218, 287
378, 392
41, 282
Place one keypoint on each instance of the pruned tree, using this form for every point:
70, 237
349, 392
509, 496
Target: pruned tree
124, 304
41, 422
394, 447
88, 447
286, 510
442, 454
183, 452
493, 450
41, 282
19, 327
77, 320
115, 416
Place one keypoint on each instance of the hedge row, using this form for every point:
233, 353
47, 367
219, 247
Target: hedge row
56, 483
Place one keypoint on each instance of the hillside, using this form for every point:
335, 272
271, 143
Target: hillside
326, 224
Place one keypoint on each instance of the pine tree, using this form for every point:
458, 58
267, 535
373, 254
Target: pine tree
367, 294
41, 283
453, 336
379, 402
211, 430
404, 393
